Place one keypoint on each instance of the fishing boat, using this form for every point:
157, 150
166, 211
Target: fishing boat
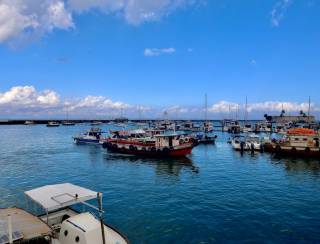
246, 143
263, 127
296, 142
53, 124
92, 136
171, 145
29, 122
60, 222
206, 138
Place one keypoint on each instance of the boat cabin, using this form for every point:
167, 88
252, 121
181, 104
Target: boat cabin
170, 140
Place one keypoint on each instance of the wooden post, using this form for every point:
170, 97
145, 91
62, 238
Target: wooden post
101, 217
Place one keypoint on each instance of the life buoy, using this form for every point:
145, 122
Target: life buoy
131, 147
181, 141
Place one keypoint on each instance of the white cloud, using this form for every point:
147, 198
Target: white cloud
98, 103
223, 107
134, 11
253, 62
27, 101
278, 11
175, 110
28, 96
276, 106
151, 52
23, 19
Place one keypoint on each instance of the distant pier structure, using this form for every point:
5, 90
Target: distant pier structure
299, 118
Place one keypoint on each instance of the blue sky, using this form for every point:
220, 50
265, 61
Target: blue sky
266, 50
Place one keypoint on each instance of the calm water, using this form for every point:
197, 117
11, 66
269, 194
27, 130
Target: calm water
215, 195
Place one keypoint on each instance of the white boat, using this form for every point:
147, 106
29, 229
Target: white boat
68, 123
249, 143
29, 122
247, 128
92, 136
60, 223
53, 124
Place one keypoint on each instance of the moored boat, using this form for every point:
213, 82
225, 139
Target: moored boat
53, 124
251, 142
297, 142
60, 223
173, 145
92, 136
68, 123
29, 122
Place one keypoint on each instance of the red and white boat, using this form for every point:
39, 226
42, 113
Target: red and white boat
173, 145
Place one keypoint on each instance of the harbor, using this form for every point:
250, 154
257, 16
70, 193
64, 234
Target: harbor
195, 198
159, 122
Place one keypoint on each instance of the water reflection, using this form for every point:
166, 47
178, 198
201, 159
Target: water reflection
169, 166
298, 164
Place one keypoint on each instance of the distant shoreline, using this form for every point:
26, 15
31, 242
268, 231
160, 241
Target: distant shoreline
80, 121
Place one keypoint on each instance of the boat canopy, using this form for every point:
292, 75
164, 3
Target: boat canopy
53, 197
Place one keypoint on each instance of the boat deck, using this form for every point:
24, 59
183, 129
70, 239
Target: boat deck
23, 222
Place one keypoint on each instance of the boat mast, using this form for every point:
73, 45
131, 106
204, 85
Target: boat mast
246, 111
309, 110
206, 113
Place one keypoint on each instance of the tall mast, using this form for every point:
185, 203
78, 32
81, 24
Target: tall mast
205, 113
309, 109
246, 110
206, 108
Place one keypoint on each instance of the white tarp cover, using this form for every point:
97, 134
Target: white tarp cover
52, 197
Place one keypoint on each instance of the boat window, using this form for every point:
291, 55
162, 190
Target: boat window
77, 239
296, 139
305, 139
65, 233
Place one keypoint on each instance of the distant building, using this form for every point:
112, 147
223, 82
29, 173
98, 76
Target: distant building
300, 118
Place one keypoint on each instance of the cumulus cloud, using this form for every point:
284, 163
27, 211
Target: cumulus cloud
22, 19
275, 106
28, 96
134, 11
278, 11
26, 100
223, 107
29, 102
151, 52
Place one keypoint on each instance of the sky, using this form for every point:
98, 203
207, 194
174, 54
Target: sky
156, 59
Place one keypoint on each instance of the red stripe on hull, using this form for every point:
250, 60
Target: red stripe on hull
172, 153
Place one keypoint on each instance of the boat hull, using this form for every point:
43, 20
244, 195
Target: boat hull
181, 152
292, 151
86, 141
